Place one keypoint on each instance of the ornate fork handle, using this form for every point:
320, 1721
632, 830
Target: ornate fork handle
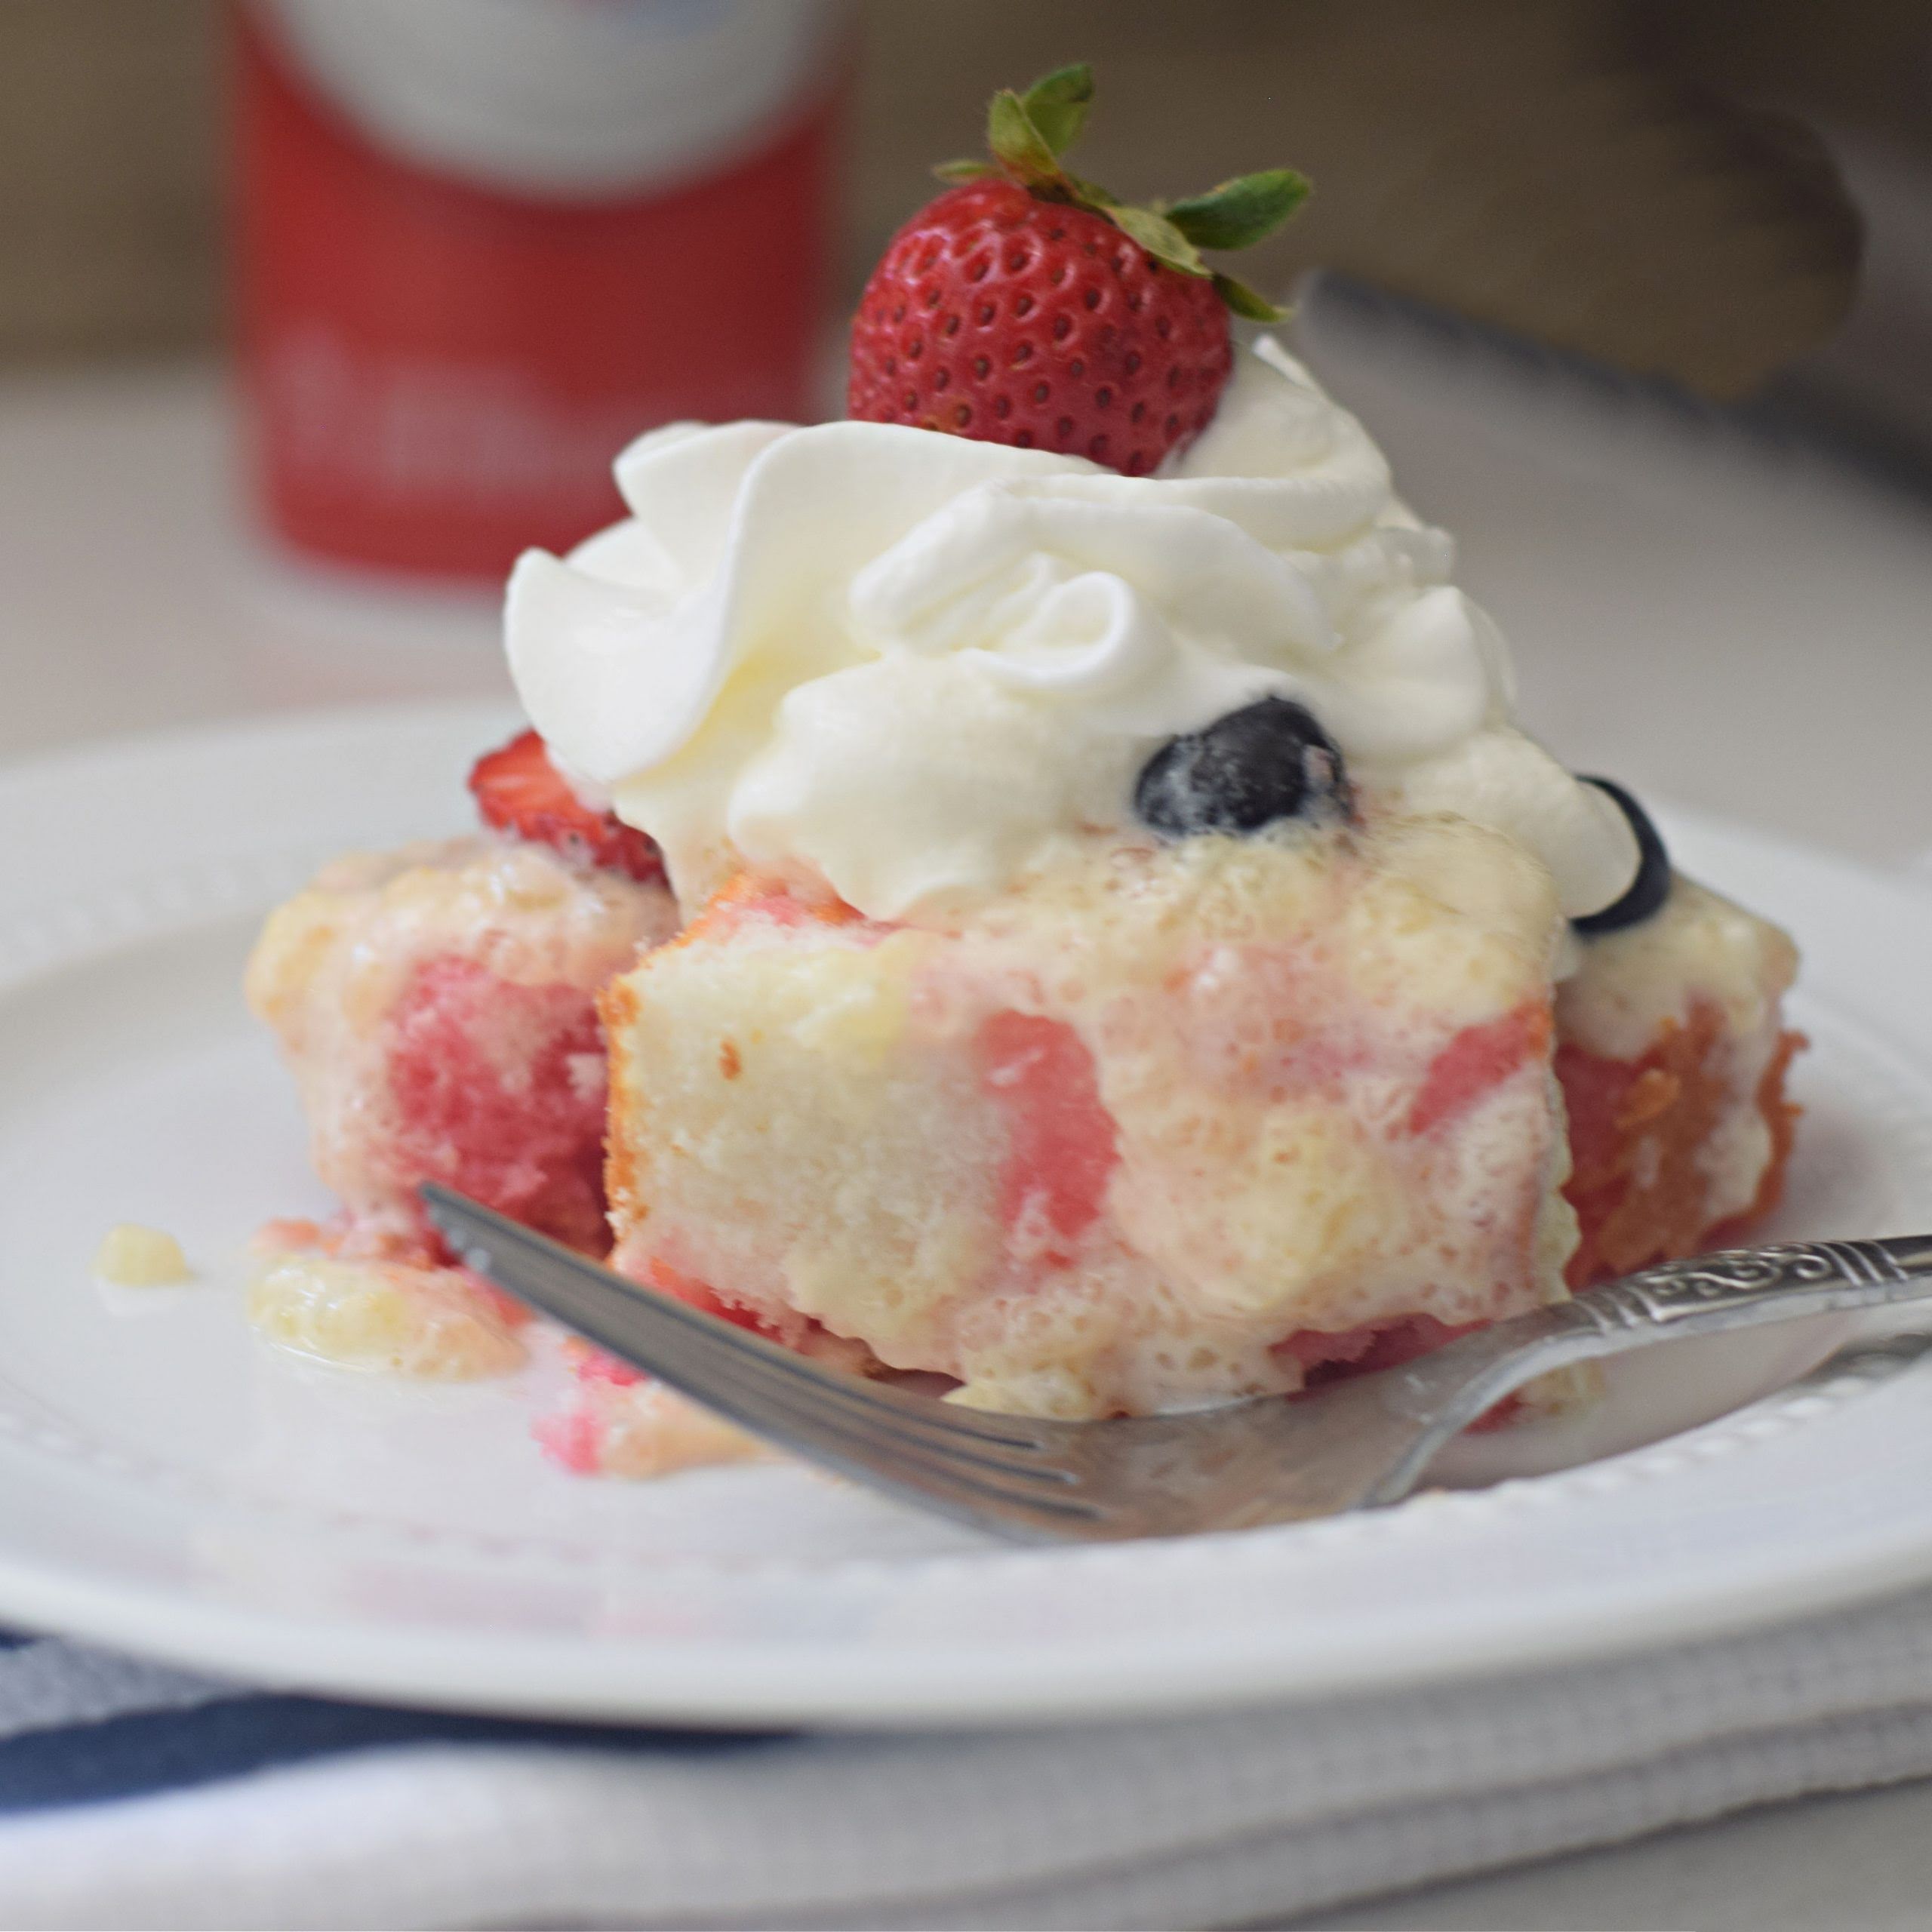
1746, 1286
1450, 1388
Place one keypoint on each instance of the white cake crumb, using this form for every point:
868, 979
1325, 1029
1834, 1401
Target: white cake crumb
390, 1317
132, 1256
650, 1430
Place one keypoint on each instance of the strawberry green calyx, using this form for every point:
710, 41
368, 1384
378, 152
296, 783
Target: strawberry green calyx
1028, 132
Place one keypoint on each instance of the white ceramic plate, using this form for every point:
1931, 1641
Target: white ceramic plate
168, 1484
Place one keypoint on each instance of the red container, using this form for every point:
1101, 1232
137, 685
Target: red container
483, 243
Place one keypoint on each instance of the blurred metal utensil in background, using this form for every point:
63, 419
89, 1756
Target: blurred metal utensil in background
1550, 167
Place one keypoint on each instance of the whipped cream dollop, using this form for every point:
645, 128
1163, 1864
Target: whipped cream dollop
906, 665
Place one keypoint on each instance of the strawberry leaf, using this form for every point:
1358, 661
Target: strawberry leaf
1160, 237
1243, 301
1090, 194
1240, 213
1017, 145
1057, 104
1027, 133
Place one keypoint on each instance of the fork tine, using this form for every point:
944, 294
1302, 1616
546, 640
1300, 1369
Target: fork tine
640, 1320
909, 1417
875, 1435
481, 1233
738, 1377
799, 1422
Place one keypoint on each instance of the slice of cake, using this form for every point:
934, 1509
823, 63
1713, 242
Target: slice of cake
437, 1007
1174, 1122
1672, 1052
1145, 962
1163, 1125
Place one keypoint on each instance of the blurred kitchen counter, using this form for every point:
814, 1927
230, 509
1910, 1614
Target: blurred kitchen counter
137, 598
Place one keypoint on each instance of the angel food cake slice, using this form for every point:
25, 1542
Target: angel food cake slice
1161, 1124
437, 1007
1672, 1054
1141, 959
1171, 1122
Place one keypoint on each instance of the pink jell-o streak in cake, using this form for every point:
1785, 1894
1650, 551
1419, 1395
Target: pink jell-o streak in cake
437, 1007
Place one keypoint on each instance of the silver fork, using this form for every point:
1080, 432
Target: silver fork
1355, 1444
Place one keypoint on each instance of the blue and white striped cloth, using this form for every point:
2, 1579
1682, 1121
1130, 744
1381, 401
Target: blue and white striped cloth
132, 1794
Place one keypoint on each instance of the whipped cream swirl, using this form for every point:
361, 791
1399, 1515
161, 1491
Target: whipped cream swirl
905, 665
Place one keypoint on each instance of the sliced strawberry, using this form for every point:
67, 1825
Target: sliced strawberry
519, 791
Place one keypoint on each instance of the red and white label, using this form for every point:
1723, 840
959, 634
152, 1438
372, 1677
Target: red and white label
484, 243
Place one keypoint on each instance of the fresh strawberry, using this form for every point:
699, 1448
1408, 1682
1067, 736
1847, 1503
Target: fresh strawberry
519, 791
1027, 306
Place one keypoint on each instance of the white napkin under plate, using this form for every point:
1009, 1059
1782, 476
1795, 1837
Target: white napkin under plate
133, 1794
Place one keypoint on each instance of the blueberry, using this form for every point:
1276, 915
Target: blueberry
1650, 888
1268, 761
